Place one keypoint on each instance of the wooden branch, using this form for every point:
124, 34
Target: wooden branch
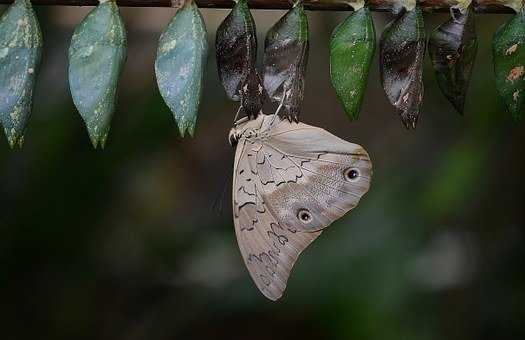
480, 6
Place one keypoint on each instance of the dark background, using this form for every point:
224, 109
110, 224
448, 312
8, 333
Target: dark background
124, 243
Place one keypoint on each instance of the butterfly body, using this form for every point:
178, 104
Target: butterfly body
291, 180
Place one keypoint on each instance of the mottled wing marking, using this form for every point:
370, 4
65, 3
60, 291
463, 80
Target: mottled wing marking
315, 180
293, 168
268, 249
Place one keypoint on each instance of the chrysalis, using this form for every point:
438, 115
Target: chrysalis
236, 51
20, 51
351, 51
285, 59
402, 50
508, 48
96, 57
180, 64
452, 47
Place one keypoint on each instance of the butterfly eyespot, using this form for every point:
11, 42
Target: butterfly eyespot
304, 216
352, 174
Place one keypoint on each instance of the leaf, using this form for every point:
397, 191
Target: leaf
96, 57
179, 67
452, 47
285, 60
20, 52
402, 51
236, 52
508, 48
352, 48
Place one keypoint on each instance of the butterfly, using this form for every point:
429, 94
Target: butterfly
291, 180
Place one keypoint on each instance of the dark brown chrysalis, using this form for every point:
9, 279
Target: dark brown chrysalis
452, 47
402, 50
285, 59
236, 51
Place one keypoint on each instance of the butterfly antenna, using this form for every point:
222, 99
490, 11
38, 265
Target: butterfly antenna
218, 203
278, 110
237, 114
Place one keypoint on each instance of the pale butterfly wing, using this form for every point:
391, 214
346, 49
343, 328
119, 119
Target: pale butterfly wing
291, 180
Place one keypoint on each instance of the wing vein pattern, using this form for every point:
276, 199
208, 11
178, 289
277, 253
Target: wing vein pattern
291, 181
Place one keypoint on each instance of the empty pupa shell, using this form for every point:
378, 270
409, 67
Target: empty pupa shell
236, 53
285, 60
508, 48
402, 51
180, 64
452, 47
252, 94
352, 48
96, 57
20, 52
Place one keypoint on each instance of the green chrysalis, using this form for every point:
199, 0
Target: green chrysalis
179, 67
285, 60
508, 48
20, 51
352, 48
96, 57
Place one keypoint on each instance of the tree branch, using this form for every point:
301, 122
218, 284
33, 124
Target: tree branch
480, 6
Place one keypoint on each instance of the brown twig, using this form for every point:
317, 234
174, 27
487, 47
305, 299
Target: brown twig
480, 6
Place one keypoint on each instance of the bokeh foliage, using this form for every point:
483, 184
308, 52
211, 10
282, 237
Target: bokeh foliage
123, 244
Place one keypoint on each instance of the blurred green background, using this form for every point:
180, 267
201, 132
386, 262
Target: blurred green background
124, 243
